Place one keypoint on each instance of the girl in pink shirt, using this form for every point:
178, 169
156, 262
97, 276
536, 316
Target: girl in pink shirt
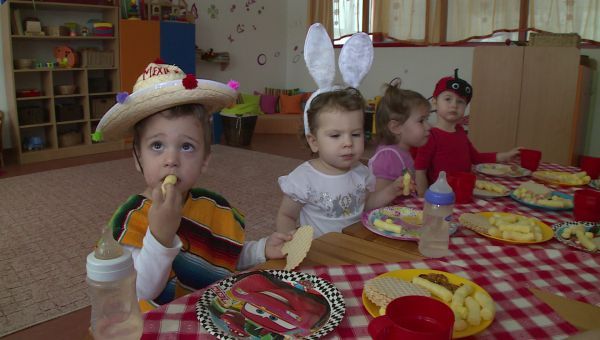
401, 120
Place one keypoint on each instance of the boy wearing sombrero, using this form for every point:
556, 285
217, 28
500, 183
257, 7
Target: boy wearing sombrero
184, 238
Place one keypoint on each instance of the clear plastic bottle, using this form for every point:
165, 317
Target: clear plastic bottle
439, 203
111, 283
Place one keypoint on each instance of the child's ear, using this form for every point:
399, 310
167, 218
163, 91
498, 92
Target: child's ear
205, 164
312, 142
394, 126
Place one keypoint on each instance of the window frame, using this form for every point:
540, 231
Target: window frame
523, 30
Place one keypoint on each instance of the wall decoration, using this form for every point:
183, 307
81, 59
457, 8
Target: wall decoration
296, 58
194, 11
241, 28
276, 54
295, 48
230, 39
254, 27
261, 59
232, 8
212, 11
249, 3
261, 10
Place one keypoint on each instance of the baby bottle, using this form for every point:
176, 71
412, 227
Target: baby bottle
439, 202
111, 283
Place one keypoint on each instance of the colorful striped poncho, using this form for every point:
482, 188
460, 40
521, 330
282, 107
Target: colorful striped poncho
211, 231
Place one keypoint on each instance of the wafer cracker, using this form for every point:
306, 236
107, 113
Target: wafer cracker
382, 290
297, 248
475, 222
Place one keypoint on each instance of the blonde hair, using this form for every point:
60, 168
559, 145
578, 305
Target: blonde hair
396, 104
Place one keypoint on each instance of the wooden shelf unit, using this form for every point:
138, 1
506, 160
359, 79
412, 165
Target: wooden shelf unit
51, 116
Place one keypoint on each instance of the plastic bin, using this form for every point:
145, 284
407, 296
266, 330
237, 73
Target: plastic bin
238, 129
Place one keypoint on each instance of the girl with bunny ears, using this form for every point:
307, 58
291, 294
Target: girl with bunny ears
331, 191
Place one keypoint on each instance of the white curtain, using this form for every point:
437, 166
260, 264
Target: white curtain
400, 19
468, 18
566, 16
347, 17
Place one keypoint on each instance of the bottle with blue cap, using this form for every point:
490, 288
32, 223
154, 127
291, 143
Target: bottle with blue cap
439, 203
111, 284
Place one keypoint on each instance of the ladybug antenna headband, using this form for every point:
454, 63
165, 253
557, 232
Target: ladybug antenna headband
456, 85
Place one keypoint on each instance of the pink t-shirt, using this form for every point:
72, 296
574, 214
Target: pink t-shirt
389, 162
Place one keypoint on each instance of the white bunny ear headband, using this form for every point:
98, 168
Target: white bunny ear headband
355, 62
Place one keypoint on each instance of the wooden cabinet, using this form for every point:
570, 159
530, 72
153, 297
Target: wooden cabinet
534, 97
54, 109
140, 45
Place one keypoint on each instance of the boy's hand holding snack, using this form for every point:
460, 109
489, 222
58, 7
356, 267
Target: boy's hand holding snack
164, 215
507, 156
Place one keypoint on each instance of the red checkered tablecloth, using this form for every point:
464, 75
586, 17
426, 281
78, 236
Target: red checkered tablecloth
519, 313
504, 271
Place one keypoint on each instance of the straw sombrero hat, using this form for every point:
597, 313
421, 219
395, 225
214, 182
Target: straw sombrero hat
160, 87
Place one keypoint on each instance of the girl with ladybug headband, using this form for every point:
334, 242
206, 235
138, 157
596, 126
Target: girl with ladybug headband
448, 148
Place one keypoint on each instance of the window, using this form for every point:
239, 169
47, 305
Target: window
456, 21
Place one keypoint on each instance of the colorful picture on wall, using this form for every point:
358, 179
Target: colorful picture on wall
241, 28
232, 8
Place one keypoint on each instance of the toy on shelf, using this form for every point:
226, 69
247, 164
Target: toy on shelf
168, 10
215, 57
65, 56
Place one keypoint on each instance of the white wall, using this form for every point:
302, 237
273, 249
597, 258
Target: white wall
264, 33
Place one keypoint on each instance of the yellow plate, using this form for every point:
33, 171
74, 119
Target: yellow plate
547, 232
409, 274
541, 176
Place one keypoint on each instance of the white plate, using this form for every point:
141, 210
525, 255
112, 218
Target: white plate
272, 302
502, 170
560, 227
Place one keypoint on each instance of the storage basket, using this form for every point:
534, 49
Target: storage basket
94, 58
238, 130
555, 39
69, 138
68, 112
100, 106
31, 115
97, 85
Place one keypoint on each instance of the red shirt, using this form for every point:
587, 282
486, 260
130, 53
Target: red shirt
450, 152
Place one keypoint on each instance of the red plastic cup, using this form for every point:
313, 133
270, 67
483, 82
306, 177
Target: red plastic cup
414, 318
462, 183
591, 165
586, 205
530, 159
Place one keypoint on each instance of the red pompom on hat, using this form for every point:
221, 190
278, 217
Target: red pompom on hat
456, 85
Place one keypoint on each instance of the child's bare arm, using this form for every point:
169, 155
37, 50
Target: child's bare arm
381, 183
508, 155
288, 213
421, 180
386, 191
